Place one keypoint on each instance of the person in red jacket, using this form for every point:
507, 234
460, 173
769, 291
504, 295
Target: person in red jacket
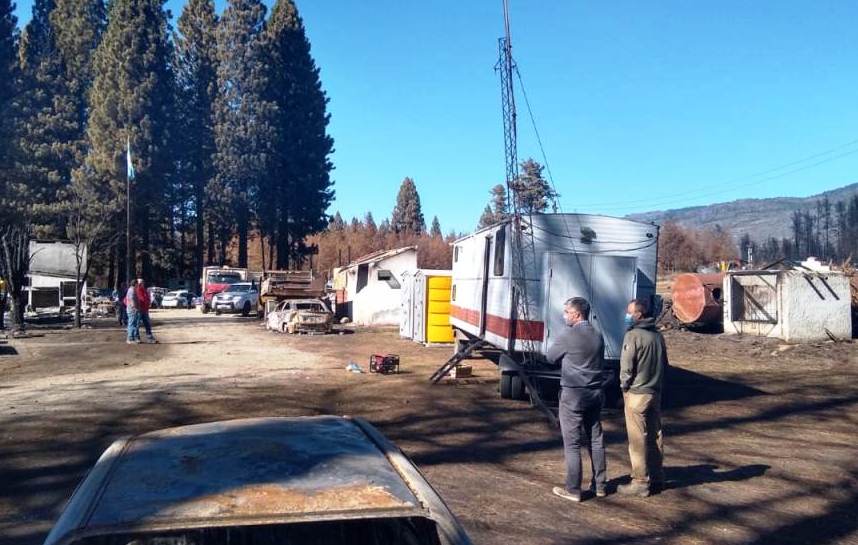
143, 302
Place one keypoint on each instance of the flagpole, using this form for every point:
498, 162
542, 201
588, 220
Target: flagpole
129, 251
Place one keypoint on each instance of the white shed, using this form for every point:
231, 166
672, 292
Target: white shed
793, 305
51, 278
370, 287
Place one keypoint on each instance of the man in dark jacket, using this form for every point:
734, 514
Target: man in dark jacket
580, 349
642, 367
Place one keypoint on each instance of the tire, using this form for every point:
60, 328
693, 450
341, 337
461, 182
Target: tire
505, 386
517, 389
204, 308
245, 310
217, 312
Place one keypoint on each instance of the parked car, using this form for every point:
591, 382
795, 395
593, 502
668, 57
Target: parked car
240, 297
322, 480
300, 316
177, 299
156, 296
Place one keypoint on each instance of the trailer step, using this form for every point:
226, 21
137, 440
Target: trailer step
456, 359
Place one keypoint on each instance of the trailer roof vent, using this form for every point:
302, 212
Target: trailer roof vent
588, 235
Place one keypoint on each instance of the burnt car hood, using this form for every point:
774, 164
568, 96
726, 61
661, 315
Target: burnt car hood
243, 472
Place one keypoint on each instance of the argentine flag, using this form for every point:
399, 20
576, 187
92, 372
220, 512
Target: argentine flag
130, 166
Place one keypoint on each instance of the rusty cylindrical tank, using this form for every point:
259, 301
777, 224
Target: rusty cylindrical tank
697, 298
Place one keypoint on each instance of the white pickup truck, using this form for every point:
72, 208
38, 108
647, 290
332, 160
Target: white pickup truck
240, 297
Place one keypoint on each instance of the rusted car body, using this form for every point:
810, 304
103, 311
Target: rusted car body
280, 480
300, 316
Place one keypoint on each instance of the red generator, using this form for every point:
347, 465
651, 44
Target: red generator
384, 364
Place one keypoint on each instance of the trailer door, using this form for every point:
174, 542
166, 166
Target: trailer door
613, 282
568, 276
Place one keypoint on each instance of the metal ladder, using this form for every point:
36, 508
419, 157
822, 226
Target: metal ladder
456, 359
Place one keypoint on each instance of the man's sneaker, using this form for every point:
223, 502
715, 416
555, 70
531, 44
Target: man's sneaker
634, 489
565, 494
151, 340
132, 342
601, 492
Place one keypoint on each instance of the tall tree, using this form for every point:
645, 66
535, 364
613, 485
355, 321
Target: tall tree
436, 228
407, 215
195, 67
243, 116
531, 191
302, 146
9, 215
132, 101
496, 210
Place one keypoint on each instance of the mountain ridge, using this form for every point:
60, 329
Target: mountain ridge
761, 218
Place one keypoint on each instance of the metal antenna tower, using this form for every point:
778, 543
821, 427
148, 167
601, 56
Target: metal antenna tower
522, 233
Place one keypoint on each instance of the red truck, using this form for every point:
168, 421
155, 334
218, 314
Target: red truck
217, 279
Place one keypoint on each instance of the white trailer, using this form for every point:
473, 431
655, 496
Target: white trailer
604, 259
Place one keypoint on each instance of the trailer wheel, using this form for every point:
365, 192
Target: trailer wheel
204, 308
505, 386
517, 389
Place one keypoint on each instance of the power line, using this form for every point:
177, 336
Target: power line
735, 183
723, 191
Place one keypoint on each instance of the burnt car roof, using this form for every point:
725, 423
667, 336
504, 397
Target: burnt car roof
252, 471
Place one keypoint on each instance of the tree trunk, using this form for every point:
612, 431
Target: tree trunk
242, 221
77, 286
224, 243
262, 248
283, 243
210, 247
14, 265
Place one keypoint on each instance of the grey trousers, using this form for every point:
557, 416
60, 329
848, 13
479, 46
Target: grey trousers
579, 413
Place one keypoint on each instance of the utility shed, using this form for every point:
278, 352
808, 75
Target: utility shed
425, 314
51, 278
369, 288
793, 305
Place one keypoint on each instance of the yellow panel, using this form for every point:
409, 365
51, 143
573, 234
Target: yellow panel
439, 307
438, 319
439, 282
439, 295
439, 334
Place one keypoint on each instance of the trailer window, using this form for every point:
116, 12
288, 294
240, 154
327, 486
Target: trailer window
500, 249
455, 254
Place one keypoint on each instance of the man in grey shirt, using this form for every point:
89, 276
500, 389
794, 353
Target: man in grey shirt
579, 349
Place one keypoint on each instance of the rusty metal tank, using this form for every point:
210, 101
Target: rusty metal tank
697, 298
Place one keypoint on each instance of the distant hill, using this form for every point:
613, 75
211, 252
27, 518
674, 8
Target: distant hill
761, 218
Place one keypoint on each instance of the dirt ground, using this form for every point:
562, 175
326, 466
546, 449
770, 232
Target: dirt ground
760, 436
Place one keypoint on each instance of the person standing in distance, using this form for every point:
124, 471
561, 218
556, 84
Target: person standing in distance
133, 317
579, 349
642, 367
143, 302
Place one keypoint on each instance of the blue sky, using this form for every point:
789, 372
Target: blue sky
640, 105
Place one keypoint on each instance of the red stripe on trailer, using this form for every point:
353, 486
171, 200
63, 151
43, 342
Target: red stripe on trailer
530, 330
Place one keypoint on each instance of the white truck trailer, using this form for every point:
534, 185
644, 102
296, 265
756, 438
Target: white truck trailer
604, 259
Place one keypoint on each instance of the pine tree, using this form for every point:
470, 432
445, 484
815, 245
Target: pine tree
8, 78
243, 130
195, 66
531, 191
407, 215
369, 222
132, 99
302, 145
337, 223
41, 119
486, 218
436, 228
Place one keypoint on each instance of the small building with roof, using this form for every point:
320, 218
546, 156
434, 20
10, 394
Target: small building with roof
368, 290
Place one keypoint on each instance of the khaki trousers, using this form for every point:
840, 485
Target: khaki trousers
643, 425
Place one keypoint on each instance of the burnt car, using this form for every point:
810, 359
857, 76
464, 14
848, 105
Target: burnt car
300, 316
322, 480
